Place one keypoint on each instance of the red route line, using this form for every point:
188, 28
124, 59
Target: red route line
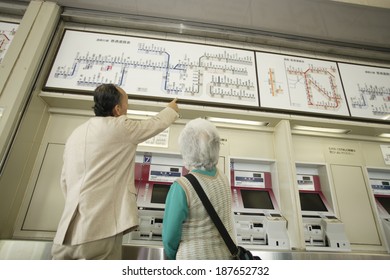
309, 83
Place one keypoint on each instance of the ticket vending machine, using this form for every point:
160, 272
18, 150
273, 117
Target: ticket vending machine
323, 231
258, 221
154, 174
381, 189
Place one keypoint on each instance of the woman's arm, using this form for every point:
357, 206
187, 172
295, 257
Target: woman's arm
176, 212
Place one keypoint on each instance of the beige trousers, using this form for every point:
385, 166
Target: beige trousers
104, 249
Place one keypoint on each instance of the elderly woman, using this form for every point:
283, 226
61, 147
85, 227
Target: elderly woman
188, 231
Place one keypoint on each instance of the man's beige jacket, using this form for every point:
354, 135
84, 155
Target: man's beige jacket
98, 176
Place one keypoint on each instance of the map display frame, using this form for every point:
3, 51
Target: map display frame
367, 89
155, 68
300, 84
7, 33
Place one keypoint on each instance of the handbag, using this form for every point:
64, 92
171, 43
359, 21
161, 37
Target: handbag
238, 252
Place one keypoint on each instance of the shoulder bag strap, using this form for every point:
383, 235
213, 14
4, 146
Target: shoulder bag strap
213, 215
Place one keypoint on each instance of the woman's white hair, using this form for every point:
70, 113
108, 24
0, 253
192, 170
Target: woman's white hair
199, 144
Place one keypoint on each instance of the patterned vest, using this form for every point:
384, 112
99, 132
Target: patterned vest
200, 238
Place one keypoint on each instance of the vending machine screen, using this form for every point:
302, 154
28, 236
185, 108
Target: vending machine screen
312, 202
385, 202
159, 193
256, 199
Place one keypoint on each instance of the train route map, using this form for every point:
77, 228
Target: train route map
7, 33
155, 68
367, 89
300, 84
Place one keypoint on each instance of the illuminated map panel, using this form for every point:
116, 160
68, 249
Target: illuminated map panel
300, 84
7, 33
155, 68
367, 90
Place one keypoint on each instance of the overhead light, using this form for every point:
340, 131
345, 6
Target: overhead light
236, 121
321, 129
387, 117
384, 135
141, 113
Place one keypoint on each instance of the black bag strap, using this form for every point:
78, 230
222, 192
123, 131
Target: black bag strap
213, 214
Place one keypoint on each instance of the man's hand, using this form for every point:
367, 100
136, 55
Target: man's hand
173, 105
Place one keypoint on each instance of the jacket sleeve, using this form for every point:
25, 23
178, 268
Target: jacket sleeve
63, 184
176, 212
145, 129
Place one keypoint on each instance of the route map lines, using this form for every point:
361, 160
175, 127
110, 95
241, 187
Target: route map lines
275, 87
300, 84
367, 90
157, 68
212, 75
372, 97
319, 84
7, 33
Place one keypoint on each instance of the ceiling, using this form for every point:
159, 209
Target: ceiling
363, 26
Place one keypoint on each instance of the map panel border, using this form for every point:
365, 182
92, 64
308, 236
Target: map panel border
367, 89
194, 72
248, 93
299, 84
6, 36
